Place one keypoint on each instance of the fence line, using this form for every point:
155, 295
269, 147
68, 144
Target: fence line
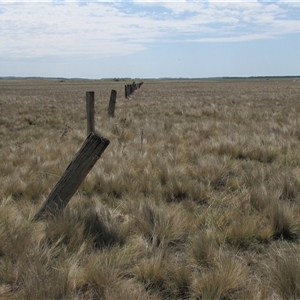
130, 88
85, 159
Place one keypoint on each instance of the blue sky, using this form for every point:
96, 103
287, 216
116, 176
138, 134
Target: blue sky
149, 39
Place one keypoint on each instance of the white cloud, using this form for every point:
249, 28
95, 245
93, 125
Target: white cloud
241, 38
43, 29
67, 28
292, 3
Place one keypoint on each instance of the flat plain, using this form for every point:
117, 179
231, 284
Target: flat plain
196, 197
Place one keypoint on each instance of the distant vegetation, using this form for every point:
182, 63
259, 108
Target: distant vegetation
162, 78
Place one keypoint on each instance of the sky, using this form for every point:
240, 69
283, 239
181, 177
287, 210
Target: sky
149, 39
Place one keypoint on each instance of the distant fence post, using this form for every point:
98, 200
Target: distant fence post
90, 111
127, 90
85, 159
130, 88
112, 103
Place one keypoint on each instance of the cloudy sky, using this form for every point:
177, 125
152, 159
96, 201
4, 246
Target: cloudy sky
149, 39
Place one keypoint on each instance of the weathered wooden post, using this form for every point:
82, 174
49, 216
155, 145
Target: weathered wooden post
85, 159
90, 111
112, 103
128, 87
126, 93
128, 90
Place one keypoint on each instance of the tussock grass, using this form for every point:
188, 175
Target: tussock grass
284, 223
152, 273
223, 281
196, 197
283, 273
181, 280
242, 231
162, 226
203, 249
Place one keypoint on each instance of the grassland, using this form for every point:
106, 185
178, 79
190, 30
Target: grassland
196, 197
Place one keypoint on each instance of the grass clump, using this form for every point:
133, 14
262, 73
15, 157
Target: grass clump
284, 223
162, 226
203, 249
284, 273
181, 282
224, 281
152, 273
72, 229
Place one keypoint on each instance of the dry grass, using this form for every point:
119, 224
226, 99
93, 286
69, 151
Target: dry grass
196, 197
223, 281
283, 272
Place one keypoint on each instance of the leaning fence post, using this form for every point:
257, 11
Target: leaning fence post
112, 103
85, 159
90, 111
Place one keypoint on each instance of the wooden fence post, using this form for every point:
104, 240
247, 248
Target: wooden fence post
112, 103
85, 159
128, 90
90, 111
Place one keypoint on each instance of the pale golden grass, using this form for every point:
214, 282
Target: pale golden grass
223, 281
203, 249
283, 272
196, 197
